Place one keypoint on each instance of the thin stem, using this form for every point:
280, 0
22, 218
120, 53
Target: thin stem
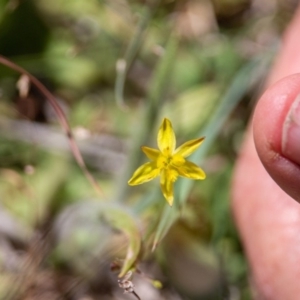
136, 295
124, 64
61, 117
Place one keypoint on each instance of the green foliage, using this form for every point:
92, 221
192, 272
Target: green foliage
197, 74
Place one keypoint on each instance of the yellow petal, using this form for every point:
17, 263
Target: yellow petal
166, 184
144, 173
189, 147
166, 139
151, 153
191, 170
177, 160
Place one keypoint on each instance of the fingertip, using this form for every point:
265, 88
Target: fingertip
271, 134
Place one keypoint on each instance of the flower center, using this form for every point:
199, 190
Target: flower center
164, 161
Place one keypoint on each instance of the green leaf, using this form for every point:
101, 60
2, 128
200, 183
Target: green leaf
168, 218
119, 219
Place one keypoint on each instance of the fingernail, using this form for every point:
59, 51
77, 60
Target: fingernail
291, 133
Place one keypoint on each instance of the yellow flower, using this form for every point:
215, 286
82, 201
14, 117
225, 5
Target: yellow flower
168, 162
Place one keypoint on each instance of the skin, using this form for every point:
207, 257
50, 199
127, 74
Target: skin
266, 182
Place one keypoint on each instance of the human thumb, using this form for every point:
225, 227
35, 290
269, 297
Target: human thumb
276, 129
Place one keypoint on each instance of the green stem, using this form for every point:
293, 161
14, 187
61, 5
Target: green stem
124, 64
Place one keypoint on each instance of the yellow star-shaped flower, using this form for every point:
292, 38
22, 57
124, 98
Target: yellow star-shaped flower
168, 162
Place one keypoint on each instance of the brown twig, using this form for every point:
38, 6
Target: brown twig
126, 284
61, 117
136, 295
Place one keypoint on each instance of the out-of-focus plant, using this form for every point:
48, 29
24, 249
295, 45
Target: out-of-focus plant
115, 69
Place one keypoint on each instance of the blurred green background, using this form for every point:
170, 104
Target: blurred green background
117, 68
